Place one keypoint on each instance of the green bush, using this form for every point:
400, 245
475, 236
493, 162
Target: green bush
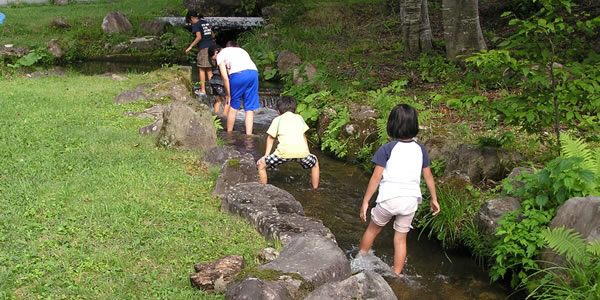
574, 174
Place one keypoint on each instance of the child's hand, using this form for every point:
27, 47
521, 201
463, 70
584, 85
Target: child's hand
435, 207
188, 49
261, 160
363, 212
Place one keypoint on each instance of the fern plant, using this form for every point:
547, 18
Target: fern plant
578, 148
579, 277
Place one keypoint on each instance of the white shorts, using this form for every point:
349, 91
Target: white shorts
404, 208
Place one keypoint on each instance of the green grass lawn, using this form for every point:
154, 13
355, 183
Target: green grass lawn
91, 209
27, 25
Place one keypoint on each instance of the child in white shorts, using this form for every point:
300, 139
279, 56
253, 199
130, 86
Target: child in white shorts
398, 168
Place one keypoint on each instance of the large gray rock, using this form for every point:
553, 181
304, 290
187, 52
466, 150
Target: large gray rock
440, 148
13, 51
370, 263
54, 48
129, 96
186, 128
287, 61
61, 2
580, 214
154, 27
364, 285
235, 170
306, 74
316, 258
116, 22
360, 130
257, 289
274, 212
142, 44
152, 129
60, 22
252, 199
217, 156
492, 211
482, 163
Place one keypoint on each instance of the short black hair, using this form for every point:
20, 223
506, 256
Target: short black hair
212, 49
192, 13
285, 104
403, 122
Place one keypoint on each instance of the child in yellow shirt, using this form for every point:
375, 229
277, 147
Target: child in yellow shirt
288, 128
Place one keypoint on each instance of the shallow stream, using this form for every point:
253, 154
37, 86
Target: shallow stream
430, 272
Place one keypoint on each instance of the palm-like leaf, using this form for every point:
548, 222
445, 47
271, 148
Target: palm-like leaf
578, 148
569, 243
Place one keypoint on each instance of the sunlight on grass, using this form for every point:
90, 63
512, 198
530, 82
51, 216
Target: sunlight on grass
92, 209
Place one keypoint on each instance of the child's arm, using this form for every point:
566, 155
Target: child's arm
269, 146
435, 206
225, 78
371, 188
195, 42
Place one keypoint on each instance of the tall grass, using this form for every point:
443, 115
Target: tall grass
91, 209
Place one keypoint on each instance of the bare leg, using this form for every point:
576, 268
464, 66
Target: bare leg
399, 251
218, 101
262, 171
249, 121
202, 75
369, 237
231, 118
314, 176
209, 73
226, 109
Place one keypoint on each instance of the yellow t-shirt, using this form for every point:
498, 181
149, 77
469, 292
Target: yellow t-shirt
289, 130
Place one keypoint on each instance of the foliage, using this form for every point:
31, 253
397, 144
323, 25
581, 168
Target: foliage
34, 56
458, 207
438, 166
550, 94
217, 122
91, 209
578, 278
434, 68
330, 140
520, 232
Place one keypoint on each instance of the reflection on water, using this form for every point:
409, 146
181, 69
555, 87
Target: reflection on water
429, 273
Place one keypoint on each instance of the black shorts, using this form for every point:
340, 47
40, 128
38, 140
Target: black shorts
307, 162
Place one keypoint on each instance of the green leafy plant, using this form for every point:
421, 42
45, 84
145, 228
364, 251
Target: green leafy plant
33, 57
572, 175
330, 140
550, 94
578, 278
217, 123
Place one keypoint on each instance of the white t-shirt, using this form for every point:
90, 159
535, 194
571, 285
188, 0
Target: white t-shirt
236, 59
403, 163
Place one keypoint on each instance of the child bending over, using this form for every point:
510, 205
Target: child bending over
400, 163
288, 128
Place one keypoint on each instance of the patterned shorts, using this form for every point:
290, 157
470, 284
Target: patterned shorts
308, 162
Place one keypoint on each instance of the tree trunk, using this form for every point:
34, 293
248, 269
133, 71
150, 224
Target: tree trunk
416, 30
462, 31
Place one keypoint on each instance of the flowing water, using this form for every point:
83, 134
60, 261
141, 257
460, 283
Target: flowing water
430, 272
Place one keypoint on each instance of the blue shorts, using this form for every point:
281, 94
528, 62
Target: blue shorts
244, 85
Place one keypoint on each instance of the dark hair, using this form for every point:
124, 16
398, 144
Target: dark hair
285, 104
192, 13
212, 49
403, 122
232, 44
